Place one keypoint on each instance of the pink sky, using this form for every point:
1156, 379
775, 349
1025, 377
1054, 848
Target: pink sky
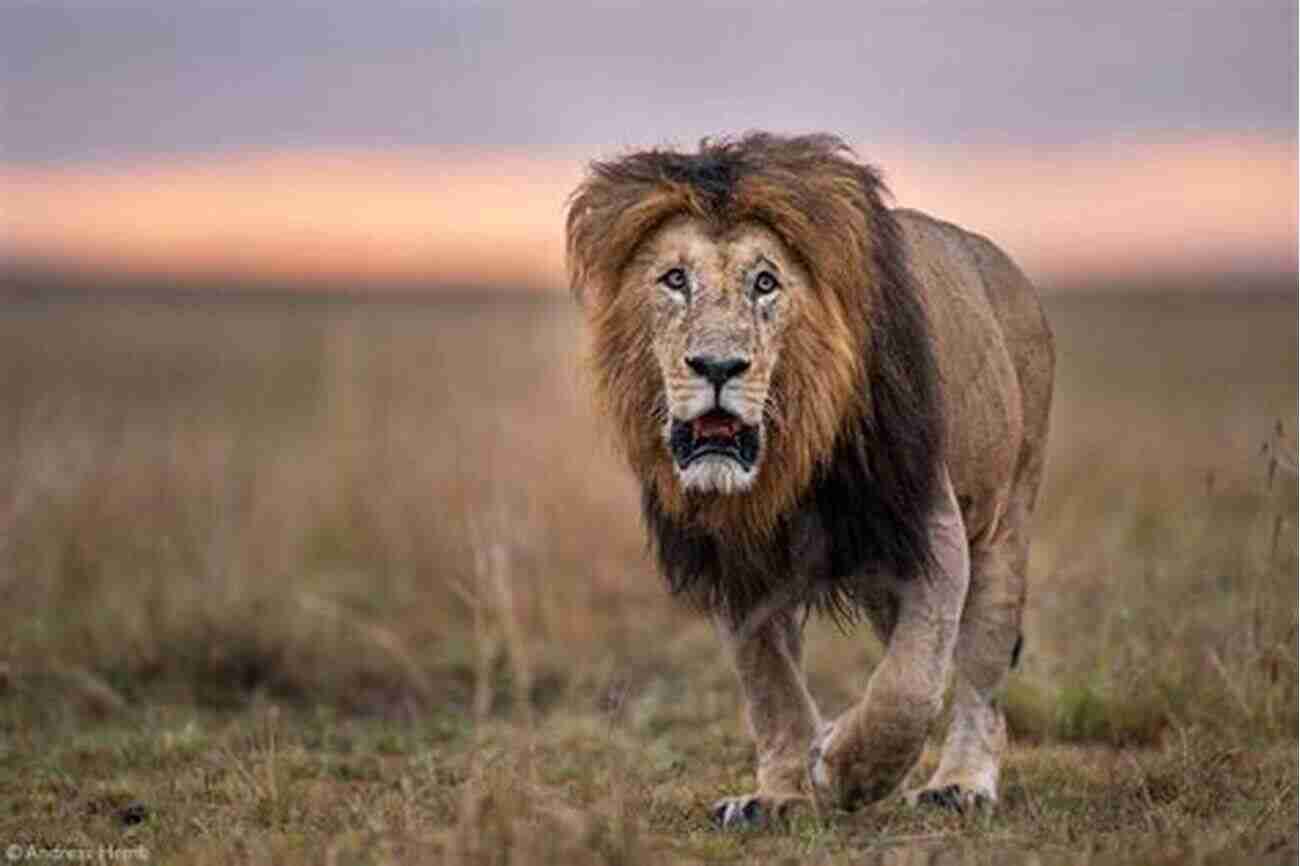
1141, 208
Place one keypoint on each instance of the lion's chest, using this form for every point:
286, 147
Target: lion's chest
796, 564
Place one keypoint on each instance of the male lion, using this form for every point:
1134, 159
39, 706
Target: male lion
829, 405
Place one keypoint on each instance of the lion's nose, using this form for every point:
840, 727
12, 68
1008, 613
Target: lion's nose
717, 370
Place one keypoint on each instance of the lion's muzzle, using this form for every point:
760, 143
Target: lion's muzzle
716, 433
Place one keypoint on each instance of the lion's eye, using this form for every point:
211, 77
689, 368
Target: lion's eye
765, 283
674, 279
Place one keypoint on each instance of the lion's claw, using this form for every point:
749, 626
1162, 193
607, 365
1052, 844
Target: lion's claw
943, 798
754, 810
739, 813
953, 798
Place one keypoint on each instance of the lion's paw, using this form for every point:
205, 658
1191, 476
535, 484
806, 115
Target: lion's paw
954, 798
843, 776
753, 810
832, 787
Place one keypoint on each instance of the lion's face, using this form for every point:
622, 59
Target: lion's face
733, 298
720, 305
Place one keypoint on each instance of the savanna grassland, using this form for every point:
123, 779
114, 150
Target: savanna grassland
306, 582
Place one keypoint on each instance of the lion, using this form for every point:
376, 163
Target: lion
830, 406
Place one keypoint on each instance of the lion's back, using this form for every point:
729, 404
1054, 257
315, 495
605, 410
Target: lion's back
996, 358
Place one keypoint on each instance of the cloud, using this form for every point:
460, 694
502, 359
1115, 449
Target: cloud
92, 81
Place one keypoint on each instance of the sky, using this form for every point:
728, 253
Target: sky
382, 106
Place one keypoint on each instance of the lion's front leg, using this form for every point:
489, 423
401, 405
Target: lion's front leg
781, 715
867, 752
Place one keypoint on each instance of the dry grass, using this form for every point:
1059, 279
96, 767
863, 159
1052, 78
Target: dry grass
362, 584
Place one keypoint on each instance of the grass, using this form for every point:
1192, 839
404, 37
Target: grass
303, 582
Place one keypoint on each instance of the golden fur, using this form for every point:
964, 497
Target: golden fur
905, 380
852, 405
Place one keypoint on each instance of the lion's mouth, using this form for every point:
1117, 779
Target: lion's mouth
716, 433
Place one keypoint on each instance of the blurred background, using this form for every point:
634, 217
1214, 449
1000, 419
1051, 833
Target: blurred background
425, 146
292, 415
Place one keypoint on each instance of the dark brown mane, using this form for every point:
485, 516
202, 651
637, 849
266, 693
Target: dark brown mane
858, 466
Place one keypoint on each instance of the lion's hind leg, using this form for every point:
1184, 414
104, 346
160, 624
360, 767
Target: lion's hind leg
967, 777
988, 645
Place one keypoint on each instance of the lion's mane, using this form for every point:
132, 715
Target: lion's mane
855, 427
